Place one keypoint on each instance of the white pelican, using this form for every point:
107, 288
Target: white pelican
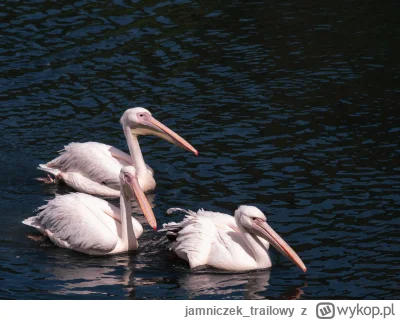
93, 167
91, 225
225, 242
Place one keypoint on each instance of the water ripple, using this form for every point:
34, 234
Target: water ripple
300, 119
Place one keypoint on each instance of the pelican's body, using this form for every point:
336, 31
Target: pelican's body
238, 243
93, 167
59, 217
84, 223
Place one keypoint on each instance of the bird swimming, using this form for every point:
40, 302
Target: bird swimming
91, 225
219, 240
93, 167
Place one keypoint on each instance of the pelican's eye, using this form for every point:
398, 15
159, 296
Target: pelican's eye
128, 178
254, 218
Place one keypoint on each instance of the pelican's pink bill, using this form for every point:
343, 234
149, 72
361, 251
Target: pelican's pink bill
280, 244
174, 136
143, 203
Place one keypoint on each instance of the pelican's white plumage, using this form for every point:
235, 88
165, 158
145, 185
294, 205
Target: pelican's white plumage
84, 223
68, 219
225, 242
93, 167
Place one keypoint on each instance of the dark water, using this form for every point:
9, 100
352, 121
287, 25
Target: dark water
294, 108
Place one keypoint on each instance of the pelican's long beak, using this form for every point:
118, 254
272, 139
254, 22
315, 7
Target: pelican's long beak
143, 203
273, 238
167, 134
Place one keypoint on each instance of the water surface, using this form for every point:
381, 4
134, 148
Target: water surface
292, 106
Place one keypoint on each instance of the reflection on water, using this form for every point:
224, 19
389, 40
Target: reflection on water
293, 108
94, 280
247, 285
120, 276
89, 280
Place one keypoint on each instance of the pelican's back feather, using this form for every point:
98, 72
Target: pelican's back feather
194, 237
76, 221
93, 160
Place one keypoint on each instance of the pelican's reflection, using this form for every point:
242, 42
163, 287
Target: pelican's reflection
83, 276
250, 285
134, 277
247, 285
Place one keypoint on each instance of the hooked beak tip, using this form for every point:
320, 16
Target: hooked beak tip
155, 228
196, 153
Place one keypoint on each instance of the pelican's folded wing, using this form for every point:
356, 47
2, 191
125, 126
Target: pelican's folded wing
71, 223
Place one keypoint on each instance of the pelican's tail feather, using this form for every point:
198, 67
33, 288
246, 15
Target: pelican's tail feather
33, 222
189, 212
171, 236
170, 227
46, 168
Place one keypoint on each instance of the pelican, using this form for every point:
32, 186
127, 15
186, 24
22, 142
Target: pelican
84, 223
93, 167
238, 243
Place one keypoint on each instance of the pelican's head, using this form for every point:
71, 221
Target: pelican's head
255, 222
141, 122
130, 189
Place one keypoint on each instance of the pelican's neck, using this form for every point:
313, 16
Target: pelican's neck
128, 237
259, 253
136, 153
